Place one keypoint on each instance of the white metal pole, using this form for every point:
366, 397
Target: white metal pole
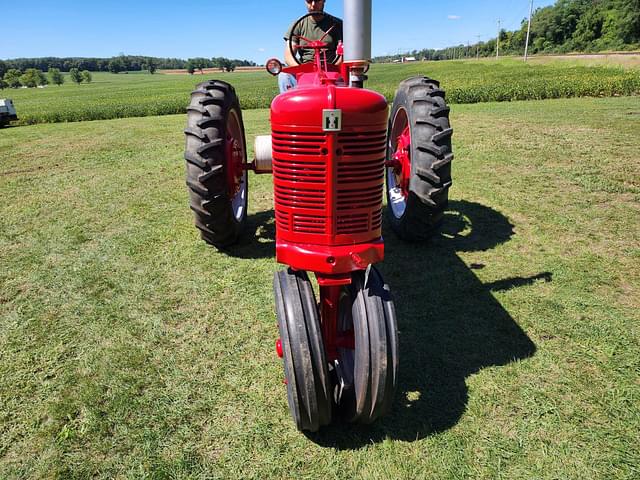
526, 43
498, 40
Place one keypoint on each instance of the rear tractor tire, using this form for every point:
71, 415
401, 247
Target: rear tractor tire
215, 154
418, 158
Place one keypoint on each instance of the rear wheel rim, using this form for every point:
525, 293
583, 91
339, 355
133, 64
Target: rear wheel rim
399, 161
235, 158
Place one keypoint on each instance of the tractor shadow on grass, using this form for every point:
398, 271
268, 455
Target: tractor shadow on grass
258, 240
450, 327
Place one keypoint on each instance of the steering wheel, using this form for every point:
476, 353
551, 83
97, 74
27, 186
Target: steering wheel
295, 25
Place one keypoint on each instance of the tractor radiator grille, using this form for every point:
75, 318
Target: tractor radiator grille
300, 175
360, 181
303, 183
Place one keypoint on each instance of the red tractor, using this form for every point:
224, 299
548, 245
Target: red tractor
332, 145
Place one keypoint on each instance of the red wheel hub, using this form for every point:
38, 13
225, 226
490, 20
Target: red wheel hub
400, 159
234, 155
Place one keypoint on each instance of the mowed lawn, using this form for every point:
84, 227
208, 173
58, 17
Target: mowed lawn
130, 349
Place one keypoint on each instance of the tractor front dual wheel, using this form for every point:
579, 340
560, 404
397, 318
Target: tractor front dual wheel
367, 373
418, 158
215, 154
359, 385
302, 350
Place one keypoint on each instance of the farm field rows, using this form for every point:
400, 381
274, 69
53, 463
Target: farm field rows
619, 59
139, 94
130, 349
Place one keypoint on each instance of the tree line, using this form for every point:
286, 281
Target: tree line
567, 26
225, 64
33, 77
121, 63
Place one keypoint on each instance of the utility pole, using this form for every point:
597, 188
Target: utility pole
526, 43
498, 40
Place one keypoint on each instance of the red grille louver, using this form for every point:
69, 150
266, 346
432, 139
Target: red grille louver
308, 199
360, 181
300, 175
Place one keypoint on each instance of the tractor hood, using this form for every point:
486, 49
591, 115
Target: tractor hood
303, 106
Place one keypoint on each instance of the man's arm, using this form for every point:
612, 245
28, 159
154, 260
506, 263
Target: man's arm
288, 57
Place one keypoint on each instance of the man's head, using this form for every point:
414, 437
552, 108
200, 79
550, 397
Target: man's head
315, 6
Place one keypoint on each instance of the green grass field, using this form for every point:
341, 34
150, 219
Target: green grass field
132, 95
130, 349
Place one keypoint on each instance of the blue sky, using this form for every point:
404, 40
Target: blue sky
248, 29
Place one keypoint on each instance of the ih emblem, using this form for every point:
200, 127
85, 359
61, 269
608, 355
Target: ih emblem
331, 120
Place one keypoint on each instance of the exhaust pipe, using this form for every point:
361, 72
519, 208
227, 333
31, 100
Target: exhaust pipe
357, 31
357, 39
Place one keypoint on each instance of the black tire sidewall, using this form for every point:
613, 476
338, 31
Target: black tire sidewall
424, 210
211, 104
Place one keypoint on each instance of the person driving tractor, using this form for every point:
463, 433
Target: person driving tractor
314, 27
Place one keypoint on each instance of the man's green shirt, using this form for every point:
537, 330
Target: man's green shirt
311, 30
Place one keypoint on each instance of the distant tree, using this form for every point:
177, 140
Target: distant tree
191, 67
150, 65
42, 78
227, 65
3, 84
12, 77
55, 76
124, 62
116, 65
630, 21
216, 62
33, 77
200, 63
86, 76
75, 75
3, 69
